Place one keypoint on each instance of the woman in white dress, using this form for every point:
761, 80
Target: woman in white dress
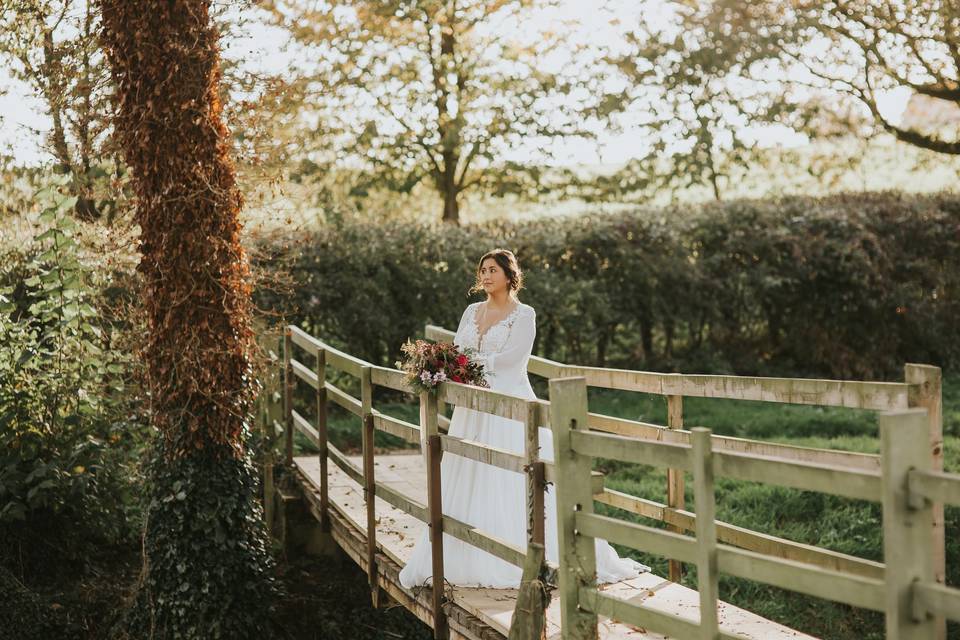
502, 330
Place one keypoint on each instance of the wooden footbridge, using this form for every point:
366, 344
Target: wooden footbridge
373, 505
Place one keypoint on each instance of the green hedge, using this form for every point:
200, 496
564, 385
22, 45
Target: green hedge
852, 285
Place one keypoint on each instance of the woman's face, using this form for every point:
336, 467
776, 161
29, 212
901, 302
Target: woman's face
492, 277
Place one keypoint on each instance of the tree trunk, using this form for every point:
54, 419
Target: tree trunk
451, 207
206, 567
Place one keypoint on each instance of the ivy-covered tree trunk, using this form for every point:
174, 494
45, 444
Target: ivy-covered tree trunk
206, 568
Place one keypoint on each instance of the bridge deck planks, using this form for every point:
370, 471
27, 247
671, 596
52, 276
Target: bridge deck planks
397, 533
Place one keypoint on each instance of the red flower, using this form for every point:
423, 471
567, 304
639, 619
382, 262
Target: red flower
462, 360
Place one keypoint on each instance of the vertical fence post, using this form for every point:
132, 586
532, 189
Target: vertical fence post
431, 438
906, 527
322, 436
578, 558
288, 394
929, 397
675, 481
269, 404
535, 475
369, 482
706, 530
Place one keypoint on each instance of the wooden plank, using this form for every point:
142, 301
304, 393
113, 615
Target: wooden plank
402, 502
578, 560
288, 396
675, 479
858, 591
484, 540
344, 399
390, 378
707, 576
529, 614
927, 384
864, 485
878, 396
936, 599
335, 358
656, 454
369, 482
745, 538
394, 426
649, 431
484, 400
320, 399
536, 476
484, 453
303, 425
428, 429
303, 372
906, 527
936, 486
637, 536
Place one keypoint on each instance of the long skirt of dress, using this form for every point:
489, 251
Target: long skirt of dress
494, 501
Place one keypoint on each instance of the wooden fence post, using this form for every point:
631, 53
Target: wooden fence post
535, 476
675, 481
906, 527
269, 403
369, 482
578, 558
288, 394
706, 530
322, 436
929, 397
430, 436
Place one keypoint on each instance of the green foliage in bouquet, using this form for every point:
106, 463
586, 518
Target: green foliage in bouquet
427, 364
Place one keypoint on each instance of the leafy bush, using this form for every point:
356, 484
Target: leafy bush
844, 286
71, 434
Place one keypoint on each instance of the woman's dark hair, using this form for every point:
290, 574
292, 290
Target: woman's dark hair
508, 262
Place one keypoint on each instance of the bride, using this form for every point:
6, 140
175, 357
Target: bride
501, 330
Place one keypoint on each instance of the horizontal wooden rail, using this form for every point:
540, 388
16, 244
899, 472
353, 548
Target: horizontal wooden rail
485, 400
742, 537
396, 427
637, 536
304, 372
649, 431
343, 399
612, 447
864, 485
876, 396
486, 454
335, 358
390, 378
859, 591
303, 425
936, 599
483, 540
402, 502
935, 486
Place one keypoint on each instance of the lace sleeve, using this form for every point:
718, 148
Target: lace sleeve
466, 317
519, 344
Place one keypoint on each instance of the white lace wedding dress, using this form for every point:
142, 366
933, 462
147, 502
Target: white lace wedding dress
487, 497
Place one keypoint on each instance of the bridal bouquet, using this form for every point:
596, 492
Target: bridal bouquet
427, 364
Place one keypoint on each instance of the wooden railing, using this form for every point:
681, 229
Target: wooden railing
921, 388
906, 485
427, 434
584, 435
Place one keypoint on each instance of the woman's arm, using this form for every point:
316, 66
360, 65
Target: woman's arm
519, 343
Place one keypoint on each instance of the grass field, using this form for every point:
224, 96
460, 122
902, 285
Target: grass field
844, 525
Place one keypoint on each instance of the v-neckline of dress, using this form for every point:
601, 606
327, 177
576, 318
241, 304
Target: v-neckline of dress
480, 336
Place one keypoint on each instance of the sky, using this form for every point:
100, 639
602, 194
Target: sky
261, 48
